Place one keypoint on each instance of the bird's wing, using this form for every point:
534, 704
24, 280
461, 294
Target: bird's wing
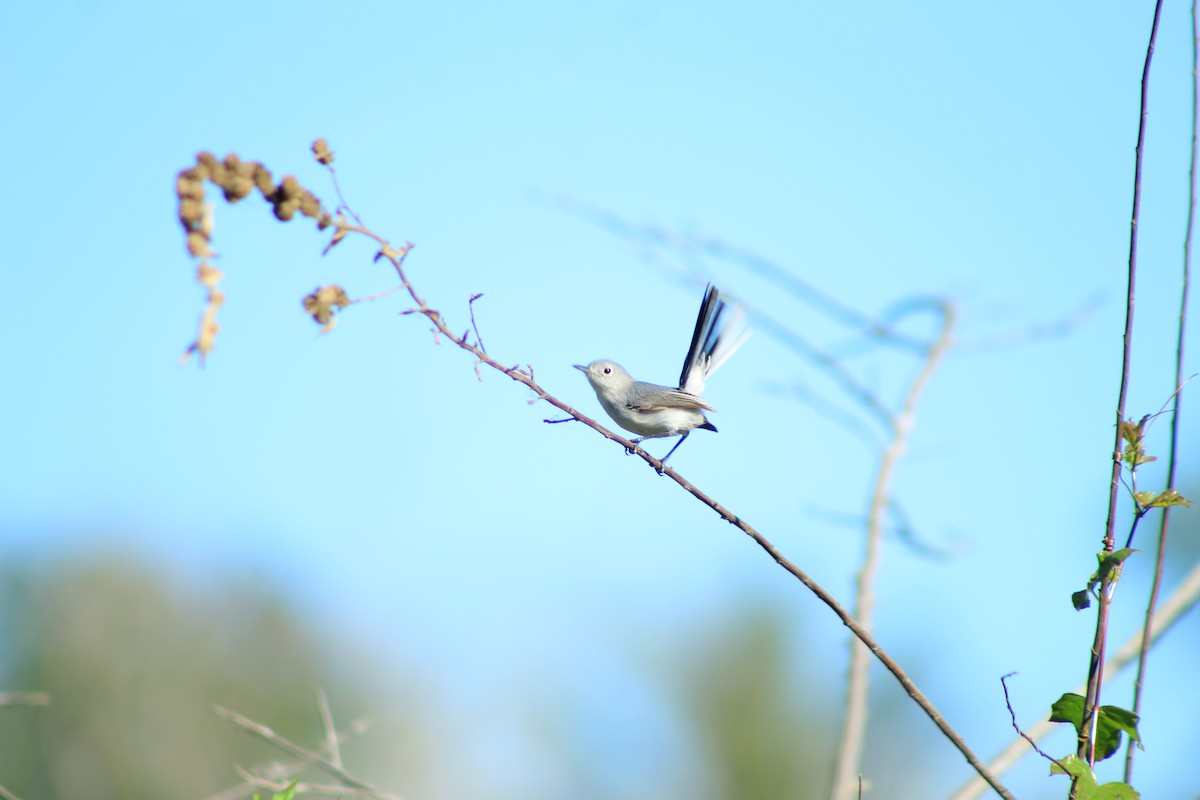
651, 397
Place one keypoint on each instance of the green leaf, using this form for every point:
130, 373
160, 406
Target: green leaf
1108, 739
287, 794
1109, 569
1110, 722
1134, 454
1167, 498
1144, 498
1077, 768
1112, 561
1116, 791
1110, 565
1121, 719
1068, 708
1086, 785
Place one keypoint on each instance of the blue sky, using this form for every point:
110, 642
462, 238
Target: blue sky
977, 152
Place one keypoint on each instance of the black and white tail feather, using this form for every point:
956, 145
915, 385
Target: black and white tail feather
717, 336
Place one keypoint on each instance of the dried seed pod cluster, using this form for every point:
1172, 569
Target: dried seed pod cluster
237, 179
323, 303
321, 152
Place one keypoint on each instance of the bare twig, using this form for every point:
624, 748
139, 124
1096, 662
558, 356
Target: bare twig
1087, 738
371, 298
16, 699
324, 155
332, 745
316, 759
326, 790
5, 794
850, 745
1013, 715
474, 327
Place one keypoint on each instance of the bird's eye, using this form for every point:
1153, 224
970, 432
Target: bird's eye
608, 370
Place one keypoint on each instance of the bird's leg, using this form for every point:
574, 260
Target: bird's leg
639, 440
672, 450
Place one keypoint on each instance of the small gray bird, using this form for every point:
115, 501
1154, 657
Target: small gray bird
654, 411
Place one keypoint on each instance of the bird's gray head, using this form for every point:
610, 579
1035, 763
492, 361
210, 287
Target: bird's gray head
606, 375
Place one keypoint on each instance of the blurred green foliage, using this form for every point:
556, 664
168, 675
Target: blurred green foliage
134, 658
133, 665
762, 728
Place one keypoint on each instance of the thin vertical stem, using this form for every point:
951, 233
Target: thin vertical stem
1172, 459
1087, 740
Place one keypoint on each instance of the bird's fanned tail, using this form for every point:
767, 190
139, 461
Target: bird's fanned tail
720, 331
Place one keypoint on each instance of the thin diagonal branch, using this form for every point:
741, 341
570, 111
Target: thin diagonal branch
397, 257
